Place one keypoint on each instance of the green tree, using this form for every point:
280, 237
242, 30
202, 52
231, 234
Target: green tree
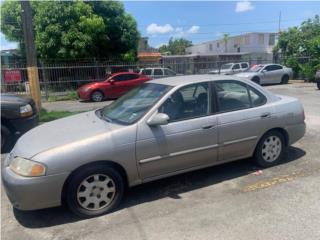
300, 47
225, 39
175, 46
75, 29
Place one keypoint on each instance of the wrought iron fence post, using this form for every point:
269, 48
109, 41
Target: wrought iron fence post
45, 80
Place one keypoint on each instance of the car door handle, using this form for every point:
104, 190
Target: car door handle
265, 115
207, 126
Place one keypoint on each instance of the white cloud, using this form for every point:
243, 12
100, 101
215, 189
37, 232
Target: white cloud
193, 29
179, 30
158, 29
244, 6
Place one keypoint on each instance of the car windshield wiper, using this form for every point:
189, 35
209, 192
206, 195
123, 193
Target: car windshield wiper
104, 116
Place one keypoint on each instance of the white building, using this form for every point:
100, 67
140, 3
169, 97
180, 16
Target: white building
258, 45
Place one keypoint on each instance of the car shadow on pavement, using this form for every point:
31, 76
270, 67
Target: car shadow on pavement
168, 187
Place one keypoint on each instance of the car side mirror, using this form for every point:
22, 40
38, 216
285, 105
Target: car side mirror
158, 119
264, 71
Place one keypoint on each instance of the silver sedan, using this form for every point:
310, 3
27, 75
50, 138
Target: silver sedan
267, 74
162, 128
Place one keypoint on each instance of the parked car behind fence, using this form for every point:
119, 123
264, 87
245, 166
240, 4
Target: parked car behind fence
267, 74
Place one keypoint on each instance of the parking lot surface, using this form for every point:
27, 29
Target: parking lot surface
231, 201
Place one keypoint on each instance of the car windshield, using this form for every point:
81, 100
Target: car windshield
255, 68
226, 66
133, 105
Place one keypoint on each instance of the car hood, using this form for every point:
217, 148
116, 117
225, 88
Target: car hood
14, 99
93, 84
60, 132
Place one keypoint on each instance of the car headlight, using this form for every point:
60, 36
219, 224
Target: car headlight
26, 110
27, 168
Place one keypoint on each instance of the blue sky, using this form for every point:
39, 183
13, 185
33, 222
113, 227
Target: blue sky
204, 21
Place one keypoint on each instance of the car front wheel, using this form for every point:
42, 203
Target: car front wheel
318, 85
256, 80
97, 96
94, 191
270, 148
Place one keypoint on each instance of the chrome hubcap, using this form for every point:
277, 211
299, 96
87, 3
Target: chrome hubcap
96, 192
97, 96
271, 148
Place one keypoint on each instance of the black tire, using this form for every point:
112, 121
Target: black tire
97, 96
260, 153
285, 79
75, 184
318, 85
6, 139
256, 80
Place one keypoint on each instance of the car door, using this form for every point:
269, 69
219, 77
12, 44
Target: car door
243, 116
121, 84
236, 68
188, 140
158, 73
272, 74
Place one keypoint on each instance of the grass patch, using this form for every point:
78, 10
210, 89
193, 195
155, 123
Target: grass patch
46, 116
69, 95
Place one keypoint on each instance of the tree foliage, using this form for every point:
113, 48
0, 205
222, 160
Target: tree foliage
300, 47
75, 29
175, 46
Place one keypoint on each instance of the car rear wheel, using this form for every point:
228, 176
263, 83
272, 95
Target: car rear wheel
285, 79
97, 96
94, 191
6, 139
270, 148
256, 80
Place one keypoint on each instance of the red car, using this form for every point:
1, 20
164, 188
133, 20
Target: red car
113, 87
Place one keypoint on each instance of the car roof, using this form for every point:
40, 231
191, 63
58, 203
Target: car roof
189, 79
121, 73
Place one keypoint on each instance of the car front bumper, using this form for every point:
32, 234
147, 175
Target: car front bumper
31, 193
84, 95
22, 125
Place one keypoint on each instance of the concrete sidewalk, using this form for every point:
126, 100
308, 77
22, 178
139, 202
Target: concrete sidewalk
73, 106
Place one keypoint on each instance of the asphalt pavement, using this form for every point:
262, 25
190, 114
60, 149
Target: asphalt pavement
231, 201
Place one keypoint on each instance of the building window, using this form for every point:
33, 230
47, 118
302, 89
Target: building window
261, 39
210, 47
272, 39
218, 44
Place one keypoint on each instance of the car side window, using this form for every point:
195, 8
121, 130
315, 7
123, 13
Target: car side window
158, 72
122, 77
244, 65
272, 68
146, 71
236, 66
257, 98
168, 72
132, 76
187, 102
232, 96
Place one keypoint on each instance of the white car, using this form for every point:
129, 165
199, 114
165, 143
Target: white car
157, 72
267, 74
231, 68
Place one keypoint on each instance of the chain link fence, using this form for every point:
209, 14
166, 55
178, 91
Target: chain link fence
59, 81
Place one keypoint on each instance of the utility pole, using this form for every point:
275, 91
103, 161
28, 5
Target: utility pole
32, 69
279, 26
